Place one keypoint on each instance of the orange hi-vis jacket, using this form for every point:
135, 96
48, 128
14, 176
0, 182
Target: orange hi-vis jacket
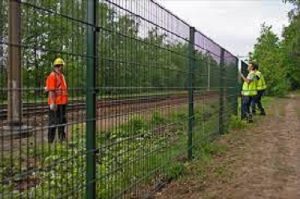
56, 82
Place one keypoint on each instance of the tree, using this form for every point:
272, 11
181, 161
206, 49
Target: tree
269, 54
280, 60
291, 46
296, 9
46, 35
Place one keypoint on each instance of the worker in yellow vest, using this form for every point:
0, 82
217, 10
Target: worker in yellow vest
261, 87
248, 92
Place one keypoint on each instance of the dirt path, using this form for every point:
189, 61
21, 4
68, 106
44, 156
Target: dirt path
262, 161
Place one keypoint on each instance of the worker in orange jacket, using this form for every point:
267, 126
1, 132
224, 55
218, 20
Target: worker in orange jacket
56, 87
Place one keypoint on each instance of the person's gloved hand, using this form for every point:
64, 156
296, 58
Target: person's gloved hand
53, 107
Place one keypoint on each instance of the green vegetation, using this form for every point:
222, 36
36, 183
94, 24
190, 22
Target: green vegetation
134, 57
279, 59
151, 62
209, 164
131, 56
135, 152
236, 123
140, 149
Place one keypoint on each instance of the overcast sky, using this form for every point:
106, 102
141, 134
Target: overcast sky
234, 24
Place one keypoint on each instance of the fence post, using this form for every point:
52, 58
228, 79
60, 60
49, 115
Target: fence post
208, 75
221, 110
237, 85
243, 66
91, 101
191, 92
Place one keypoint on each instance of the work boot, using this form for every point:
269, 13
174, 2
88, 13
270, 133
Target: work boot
263, 113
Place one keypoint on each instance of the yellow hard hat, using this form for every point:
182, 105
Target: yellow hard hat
58, 61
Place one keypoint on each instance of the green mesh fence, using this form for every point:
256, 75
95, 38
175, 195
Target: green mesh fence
146, 91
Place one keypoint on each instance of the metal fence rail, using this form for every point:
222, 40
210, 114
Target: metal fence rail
146, 92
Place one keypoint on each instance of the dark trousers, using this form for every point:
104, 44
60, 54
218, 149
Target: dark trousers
57, 119
257, 101
246, 102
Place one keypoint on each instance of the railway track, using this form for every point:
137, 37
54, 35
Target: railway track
108, 113
36, 109
41, 108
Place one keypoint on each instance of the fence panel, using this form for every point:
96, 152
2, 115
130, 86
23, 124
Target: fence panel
146, 91
231, 87
30, 166
142, 74
207, 91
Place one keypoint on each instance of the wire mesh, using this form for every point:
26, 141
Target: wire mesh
30, 166
207, 90
143, 67
161, 87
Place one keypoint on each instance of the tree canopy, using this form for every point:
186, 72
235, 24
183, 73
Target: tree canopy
279, 59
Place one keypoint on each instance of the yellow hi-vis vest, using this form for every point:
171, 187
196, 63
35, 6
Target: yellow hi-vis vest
250, 89
260, 84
